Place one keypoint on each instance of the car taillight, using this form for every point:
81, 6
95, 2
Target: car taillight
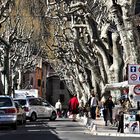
26, 109
17, 110
11, 110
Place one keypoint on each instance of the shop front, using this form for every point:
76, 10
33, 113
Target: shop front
131, 120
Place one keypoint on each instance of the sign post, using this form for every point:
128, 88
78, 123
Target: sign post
133, 74
134, 79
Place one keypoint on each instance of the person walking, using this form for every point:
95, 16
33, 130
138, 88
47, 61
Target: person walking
73, 107
81, 108
108, 106
58, 107
93, 103
125, 105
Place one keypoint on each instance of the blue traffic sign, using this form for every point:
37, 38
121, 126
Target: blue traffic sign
133, 69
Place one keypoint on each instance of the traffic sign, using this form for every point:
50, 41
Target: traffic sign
133, 77
139, 69
133, 74
136, 89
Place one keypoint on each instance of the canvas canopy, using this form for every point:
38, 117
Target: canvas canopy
117, 86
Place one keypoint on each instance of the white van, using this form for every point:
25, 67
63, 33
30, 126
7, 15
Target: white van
36, 108
23, 93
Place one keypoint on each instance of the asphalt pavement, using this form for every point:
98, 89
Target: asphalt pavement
65, 129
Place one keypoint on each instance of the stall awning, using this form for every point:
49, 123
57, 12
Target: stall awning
117, 86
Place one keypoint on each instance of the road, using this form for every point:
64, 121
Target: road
62, 129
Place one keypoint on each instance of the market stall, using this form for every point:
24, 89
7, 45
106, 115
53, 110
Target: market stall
132, 119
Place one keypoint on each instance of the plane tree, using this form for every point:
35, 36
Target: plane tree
103, 37
20, 46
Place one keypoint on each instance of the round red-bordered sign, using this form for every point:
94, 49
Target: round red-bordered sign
136, 89
139, 69
133, 77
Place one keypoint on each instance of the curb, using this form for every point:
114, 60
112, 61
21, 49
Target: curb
94, 129
114, 134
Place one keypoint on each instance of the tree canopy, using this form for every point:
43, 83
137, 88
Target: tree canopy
88, 43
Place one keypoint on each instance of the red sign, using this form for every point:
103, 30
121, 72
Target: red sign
137, 89
125, 91
133, 77
139, 69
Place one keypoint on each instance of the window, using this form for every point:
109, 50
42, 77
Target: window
62, 86
24, 79
5, 102
62, 97
137, 9
39, 82
35, 102
31, 82
21, 101
43, 84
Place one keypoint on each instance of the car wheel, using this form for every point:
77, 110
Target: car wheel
33, 117
53, 116
14, 126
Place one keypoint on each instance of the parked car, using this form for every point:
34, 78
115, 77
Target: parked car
21, 115
36, 108
8, 112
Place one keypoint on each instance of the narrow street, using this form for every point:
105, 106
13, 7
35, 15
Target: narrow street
61, 129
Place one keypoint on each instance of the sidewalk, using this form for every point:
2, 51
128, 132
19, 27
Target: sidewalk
97, 127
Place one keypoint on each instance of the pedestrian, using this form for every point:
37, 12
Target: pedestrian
107, 112
73, 107
58, 107
93, 103
125, 105
120, 122
81, 108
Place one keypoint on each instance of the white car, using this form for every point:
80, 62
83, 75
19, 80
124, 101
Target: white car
8, 112
36, 108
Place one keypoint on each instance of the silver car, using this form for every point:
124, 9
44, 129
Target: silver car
8, 112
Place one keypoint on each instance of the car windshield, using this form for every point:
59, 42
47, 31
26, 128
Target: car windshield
21, 101
5, 102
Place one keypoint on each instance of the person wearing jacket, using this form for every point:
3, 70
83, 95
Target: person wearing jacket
108, 106
73, 107
93, 103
